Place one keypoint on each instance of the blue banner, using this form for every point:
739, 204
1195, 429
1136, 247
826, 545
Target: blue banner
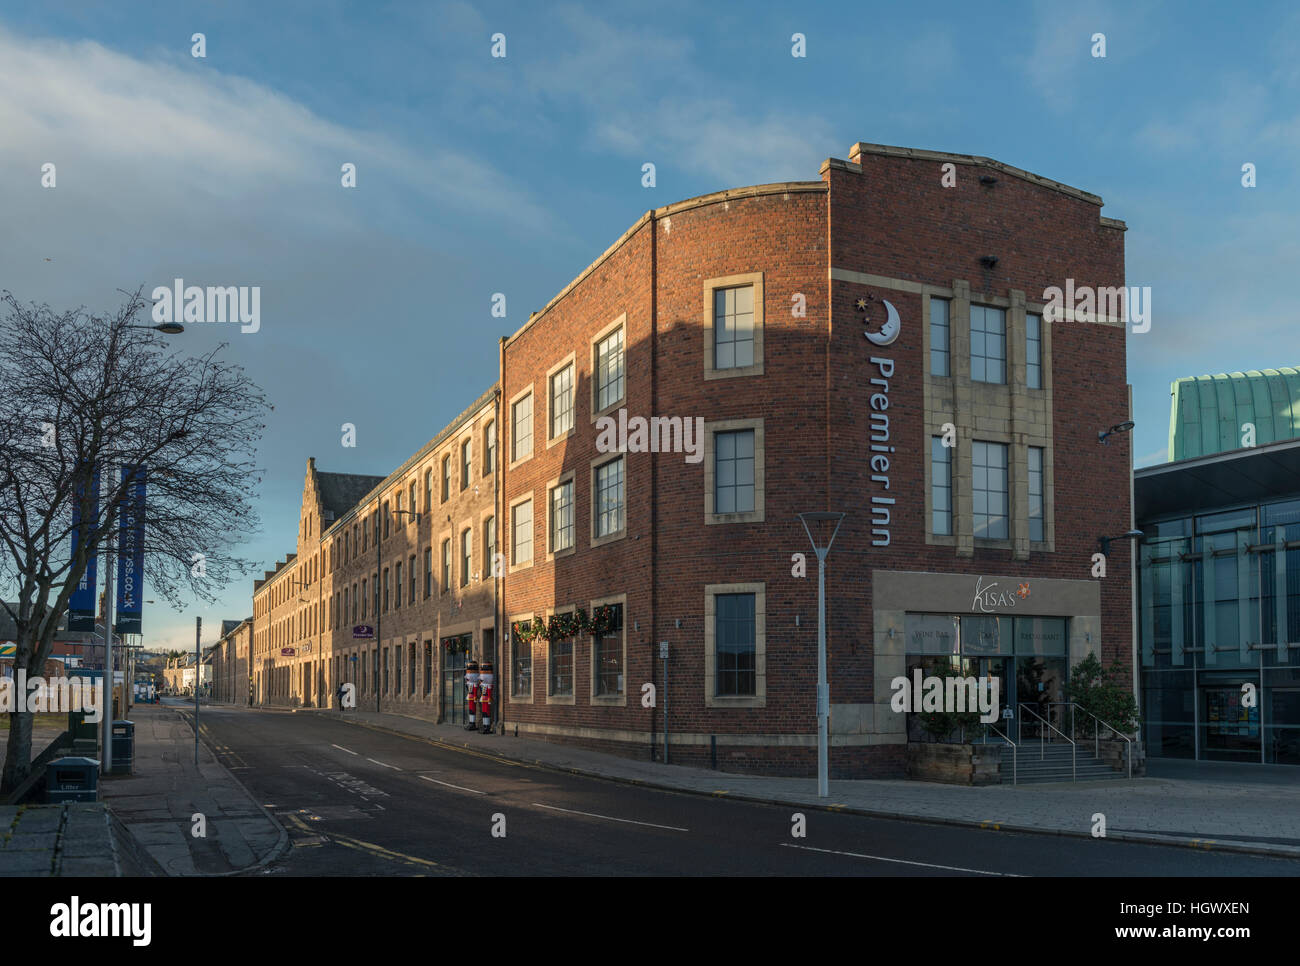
130, 552
81, 606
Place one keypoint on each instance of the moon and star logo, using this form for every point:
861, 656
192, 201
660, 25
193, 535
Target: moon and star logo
890, 330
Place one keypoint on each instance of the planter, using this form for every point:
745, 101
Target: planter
1112, 752
955, 764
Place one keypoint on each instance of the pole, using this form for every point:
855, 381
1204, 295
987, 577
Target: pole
198, 626
379, 564
664, 649
823, 690
106, 749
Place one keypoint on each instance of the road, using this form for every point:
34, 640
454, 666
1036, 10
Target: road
359, 802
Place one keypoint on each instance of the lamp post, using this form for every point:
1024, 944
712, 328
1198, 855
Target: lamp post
106, 733
823, 687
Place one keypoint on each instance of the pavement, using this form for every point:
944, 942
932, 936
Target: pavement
168, 799
1246, 808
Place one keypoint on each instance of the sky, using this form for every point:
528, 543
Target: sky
478, 175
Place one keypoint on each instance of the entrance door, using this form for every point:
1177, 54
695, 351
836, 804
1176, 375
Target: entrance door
1229, 729
453, 686
997, 669
1040, 688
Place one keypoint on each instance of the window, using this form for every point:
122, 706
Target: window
428, 490
521, 436
428, 572
446, 565
466, 551
347, 546
608, 504
988, 344
609, 370
940, 487
346, 612
412, 503
939, 360
562, 517
521, 668
397, 671
428, 667
490, 448
521, 552
365, 537
489, 547
385, 590
735, 637
1034, 351
411, 652
411, 570
386, 517
562, 401
397, 603
466, 469
446, 478
375, 517
364, 597
607, 658
354, 600
989, 490
733, 472
733, 327
560, 667
374, 584
1036, 534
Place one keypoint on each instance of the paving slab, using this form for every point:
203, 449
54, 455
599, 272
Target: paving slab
157, 802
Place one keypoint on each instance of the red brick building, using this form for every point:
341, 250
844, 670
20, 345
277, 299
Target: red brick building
735, 360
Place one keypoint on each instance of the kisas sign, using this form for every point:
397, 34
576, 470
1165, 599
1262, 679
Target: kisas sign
881, 447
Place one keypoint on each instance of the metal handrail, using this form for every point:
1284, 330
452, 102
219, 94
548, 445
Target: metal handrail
1013, 745
1097, 735
1074, 748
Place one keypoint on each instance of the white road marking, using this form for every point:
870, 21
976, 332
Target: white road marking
385, 764
610, 818
450, 785
341, 748
881, 858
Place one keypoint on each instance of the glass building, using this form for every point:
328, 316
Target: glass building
1219, 605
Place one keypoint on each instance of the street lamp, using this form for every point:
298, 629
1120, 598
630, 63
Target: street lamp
379, 570
106, 734
823, 688
1104, 542
1104, 434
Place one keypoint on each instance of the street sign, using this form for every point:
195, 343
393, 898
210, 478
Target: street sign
363, 631
663, 650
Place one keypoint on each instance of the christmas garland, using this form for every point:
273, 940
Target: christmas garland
561, 627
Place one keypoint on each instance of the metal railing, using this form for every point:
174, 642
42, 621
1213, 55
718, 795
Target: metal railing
1042, 739
1096, 735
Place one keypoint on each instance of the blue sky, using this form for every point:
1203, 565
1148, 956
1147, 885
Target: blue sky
479, 175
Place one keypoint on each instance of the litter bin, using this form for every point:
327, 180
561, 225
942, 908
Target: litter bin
123, 747
71, 780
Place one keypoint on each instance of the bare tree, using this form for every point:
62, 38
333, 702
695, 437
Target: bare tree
82, 392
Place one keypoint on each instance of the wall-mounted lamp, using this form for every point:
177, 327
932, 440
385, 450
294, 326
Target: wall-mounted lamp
989, 261
1117, 428
1104, 542
988, 180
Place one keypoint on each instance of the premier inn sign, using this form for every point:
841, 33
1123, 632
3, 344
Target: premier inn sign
881, 501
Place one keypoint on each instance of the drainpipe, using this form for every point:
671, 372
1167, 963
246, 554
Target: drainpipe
654, 467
